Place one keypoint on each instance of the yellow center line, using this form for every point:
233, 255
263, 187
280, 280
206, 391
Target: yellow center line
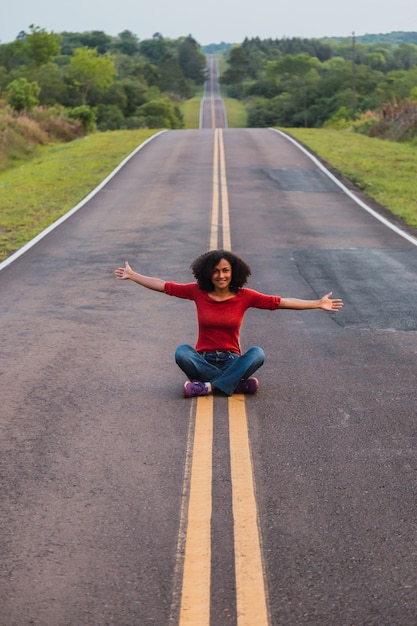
227, 245
251, 595
214, 227
220, 197
213, 110
250, 581
195, 598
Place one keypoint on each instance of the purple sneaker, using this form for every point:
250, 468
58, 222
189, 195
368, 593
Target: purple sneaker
248, 385
195, 388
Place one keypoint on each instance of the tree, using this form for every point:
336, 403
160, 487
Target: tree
154, 49
299, 72
53, 88
237, 70
40, 46
171, 77
406, 55
22, 95
12, 55
137, 93
88, 69
128, 43
95, 39
336, 74
191, 60
376, 60
396, 85
238, 64
4, 78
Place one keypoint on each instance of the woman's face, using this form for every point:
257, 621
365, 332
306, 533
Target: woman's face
222, 275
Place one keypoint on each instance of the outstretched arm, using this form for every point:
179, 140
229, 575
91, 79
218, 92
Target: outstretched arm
326, 303
126, 273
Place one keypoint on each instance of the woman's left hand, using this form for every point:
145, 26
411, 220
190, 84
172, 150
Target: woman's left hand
330, 304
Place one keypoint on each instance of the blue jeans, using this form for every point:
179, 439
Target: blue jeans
223, 369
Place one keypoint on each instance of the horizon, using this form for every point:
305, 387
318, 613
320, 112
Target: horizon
220, 21
230, 43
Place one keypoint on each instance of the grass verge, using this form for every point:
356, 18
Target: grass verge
37, 192
191, 112
235, 111
384, 170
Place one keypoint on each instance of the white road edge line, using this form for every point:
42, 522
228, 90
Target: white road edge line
84, 201
379, 217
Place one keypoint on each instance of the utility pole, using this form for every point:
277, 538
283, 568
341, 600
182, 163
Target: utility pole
353, 76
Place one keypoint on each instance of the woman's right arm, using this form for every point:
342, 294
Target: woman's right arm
126, 273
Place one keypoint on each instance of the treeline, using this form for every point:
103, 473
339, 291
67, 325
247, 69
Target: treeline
102, 81
70, 83
310, 82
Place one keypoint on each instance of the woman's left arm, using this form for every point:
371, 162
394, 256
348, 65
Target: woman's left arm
326, 303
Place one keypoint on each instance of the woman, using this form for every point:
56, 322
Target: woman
216, 362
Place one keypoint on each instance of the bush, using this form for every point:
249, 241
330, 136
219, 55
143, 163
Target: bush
56, 123
31, 130
263, 113
395, 121
22, 133
86, 115
133, 123
365, 123
340, 119
22, 95
14, 147
160, 113
60, 128
110, 117
398, 122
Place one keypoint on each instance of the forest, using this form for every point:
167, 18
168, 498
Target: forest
68, 84
367, 82
108, 82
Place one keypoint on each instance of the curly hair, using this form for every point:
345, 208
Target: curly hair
204, 265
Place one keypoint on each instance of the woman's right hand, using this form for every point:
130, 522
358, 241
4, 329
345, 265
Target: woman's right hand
123, 273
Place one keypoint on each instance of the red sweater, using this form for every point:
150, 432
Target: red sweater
219, 322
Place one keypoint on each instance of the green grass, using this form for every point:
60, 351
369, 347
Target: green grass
191, 111
36, 193
384, 170
235, 111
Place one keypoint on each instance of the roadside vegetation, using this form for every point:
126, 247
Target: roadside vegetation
119, 82
190, 110
368, 83
36, 193
236, 113
384, 170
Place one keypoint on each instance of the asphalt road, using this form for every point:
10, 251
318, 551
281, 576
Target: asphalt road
95, 436
212, 109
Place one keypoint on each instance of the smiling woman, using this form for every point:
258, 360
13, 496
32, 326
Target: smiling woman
216, 362
221, 273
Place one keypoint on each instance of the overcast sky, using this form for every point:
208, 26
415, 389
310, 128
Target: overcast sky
211, 22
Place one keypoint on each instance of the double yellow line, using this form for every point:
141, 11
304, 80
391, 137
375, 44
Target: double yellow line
213, 67
251, 599
220, 220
